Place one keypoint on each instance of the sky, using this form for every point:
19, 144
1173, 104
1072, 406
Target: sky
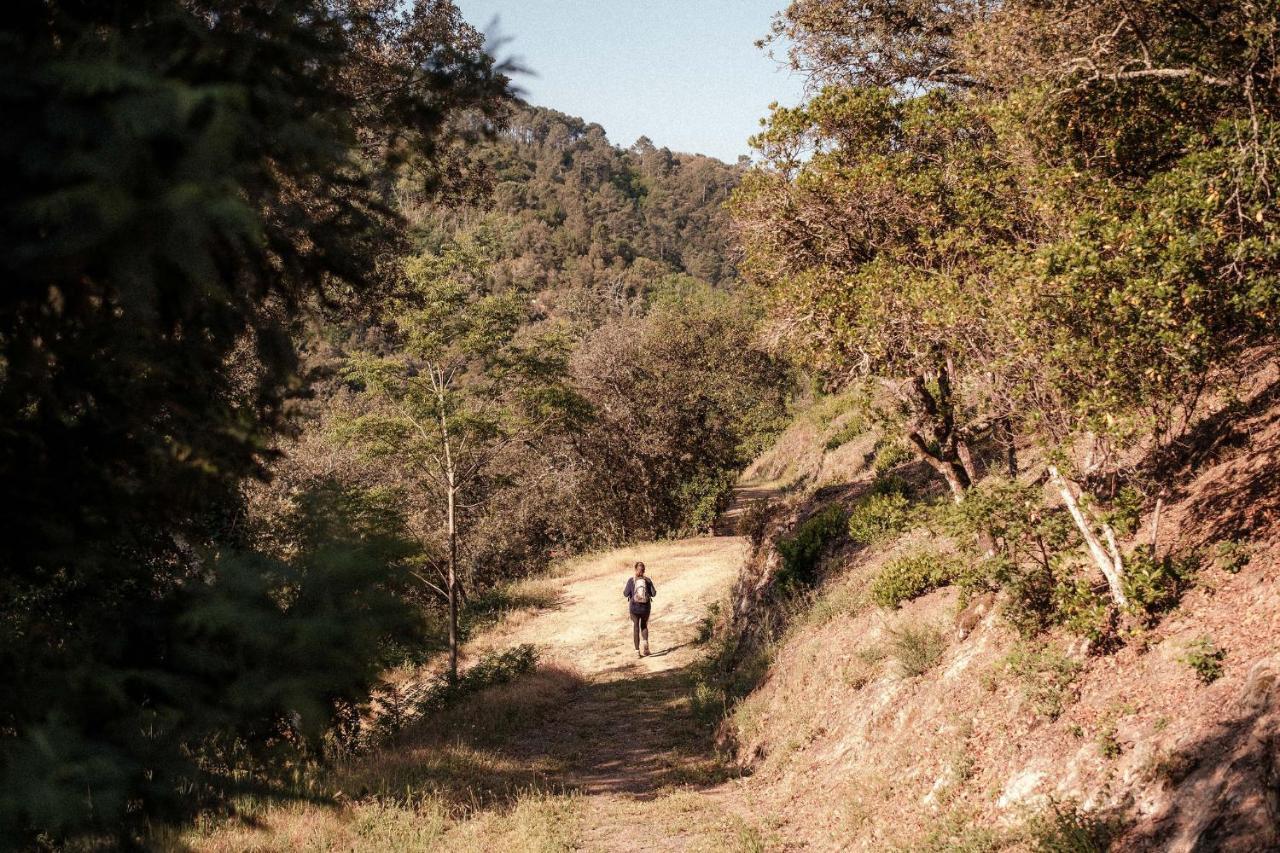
685, 73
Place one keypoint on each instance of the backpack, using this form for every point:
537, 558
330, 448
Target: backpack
640, 591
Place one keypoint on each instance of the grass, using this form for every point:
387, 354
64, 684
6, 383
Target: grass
443, 784
1047, 677
864, 666
1064, 828
534, 821
917, 648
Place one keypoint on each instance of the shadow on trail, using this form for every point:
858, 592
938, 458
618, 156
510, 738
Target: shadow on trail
633, 733
668, 650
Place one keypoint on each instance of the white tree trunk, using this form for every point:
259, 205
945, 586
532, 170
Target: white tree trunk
1108, 559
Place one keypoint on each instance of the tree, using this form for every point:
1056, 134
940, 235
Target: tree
873, 222
1115, 162
458, 387
183, 181
683, 398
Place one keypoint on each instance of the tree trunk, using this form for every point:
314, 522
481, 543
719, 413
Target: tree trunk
966, 460
453, 589
951, 470
1107, 559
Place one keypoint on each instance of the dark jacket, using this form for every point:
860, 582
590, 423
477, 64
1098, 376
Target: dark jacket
639, 609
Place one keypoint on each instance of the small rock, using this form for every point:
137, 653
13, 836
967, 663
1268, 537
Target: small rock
973, 614
1019, 787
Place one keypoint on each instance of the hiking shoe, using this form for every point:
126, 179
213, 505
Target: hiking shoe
639, 653
646, 652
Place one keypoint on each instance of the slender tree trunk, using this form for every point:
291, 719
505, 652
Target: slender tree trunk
966, 460
453, 587
451, 491
1107, 559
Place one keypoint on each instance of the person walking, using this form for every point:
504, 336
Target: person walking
640, 591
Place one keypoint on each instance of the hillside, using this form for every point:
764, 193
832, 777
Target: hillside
839, 724
339, 386
937, 725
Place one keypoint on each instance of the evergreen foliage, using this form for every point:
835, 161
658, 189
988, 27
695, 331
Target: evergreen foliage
182, 181
1048, 220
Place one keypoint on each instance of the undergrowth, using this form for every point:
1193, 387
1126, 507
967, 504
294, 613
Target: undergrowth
802, 551
911, 576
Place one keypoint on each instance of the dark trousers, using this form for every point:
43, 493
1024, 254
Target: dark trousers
639, 628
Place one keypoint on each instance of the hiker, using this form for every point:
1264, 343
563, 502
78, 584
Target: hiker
640, 592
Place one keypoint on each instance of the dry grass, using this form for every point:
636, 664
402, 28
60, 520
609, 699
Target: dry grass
536, 822
444, 785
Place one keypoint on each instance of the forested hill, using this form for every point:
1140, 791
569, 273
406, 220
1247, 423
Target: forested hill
585, 225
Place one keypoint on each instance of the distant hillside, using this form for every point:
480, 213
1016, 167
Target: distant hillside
585, 225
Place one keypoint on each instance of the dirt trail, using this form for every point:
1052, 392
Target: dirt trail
628, 733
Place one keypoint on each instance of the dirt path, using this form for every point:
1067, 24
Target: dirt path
628, 734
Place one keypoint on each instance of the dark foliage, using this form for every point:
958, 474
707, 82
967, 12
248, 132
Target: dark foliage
181, 179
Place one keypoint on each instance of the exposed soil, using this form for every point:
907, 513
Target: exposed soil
627, 736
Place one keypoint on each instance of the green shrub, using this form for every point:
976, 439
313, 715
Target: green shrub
1205, 657
890, 453
1154, 585
802, 551
1047, 677
911, 576
855, 427
1231, 555
1125, 510
707, 624
916, 648
878, 516
1083, 609
702, 498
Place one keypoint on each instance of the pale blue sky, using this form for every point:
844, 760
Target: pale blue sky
685, 73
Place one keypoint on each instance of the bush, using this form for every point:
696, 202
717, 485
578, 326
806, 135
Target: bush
1205, 657
1231, 555
852, 429
702, 498
1154, 585
912, 576
889, 454
802, 551
1083, 608
1063, 828
916, 648
1047, 676
878, 516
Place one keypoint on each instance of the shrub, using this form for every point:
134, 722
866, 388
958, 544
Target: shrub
1047, 676
1154, 585
916, 648
910, 577
707, 624
1231, 555
878, 516
702, 498
1083, 609
802, 550
853, 428
1125, 511
1205, 657
1063, 828
889, 454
